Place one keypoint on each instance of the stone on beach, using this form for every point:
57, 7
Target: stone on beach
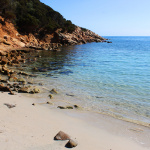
9, 105
71, 143
12, 93
77, 107
62, 136
61, 107
4, 88
50, 103
69, 107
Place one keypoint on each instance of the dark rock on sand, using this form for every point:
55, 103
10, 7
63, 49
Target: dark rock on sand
70, 95
71, 143
69, 107
76, 106
62, 136
61, 107
9, 105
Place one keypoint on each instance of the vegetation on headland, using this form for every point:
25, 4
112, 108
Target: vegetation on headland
32, 24
32, 16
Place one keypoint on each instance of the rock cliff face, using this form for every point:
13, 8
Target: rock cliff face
79, 36
11, 39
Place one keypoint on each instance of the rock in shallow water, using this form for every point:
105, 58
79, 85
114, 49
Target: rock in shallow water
50, 96
35, 90
24, 90
53, 91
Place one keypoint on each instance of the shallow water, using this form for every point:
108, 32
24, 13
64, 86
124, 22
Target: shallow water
112, 79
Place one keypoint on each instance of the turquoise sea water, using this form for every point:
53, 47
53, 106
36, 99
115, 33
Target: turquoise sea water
110, 78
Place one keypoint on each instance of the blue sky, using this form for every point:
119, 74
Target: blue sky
107, 17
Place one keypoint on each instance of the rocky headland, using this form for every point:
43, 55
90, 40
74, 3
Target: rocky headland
11, 39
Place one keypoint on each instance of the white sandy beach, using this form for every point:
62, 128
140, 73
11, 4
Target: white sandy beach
28, 127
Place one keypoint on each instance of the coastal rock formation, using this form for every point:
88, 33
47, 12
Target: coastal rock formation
10, 38
79, 36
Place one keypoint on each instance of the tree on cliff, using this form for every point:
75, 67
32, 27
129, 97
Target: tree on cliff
7, 9
32, 16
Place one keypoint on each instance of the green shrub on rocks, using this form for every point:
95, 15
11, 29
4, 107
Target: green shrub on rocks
32, 15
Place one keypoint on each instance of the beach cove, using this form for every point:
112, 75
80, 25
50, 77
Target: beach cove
35, 119
63, 86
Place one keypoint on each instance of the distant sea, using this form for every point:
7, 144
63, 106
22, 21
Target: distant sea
108, 78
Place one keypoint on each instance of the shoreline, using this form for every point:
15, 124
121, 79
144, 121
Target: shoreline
115, 134
34, 127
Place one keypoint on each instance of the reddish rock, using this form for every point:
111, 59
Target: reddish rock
4, 61
62, 136
4, 88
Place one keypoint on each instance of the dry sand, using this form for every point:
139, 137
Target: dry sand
28, 127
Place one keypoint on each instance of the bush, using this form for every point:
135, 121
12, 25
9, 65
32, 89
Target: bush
32, 15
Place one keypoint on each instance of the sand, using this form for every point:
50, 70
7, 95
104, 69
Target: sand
28, 127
